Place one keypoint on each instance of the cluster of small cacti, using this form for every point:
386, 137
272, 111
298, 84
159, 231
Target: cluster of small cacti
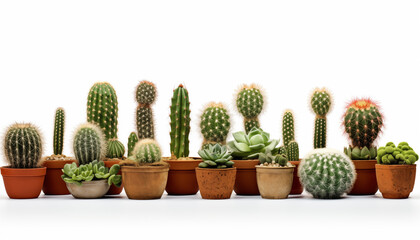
180, 122
215, 156
146, 151
290, 147
270, 160
391, 154
59, 131
145, 96
89, 144
215, 124
250, 103
321, 102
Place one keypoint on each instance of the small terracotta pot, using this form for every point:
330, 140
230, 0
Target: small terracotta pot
53, 183
216, 183
297, 187
246, 177
145, 182
365, 183
275, 182
396, 181
23, 183
89, 190
181, 177
114, 190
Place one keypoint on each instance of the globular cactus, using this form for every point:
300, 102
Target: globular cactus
293, 151
145, 96
268, 159
23, 145
89, 143
59, 131
321, 102
327, 174
180, 122
403, 154
288, 127
115, 149
132, 140
215, 124
146, 151
250, 103
363, 122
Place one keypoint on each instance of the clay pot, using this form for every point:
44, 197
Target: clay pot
181, 177
275, 182
215, 183
53, 183
246, 177
89, 190
114, 190
297, 187
23, 183
145, 182
395, 181
365, 183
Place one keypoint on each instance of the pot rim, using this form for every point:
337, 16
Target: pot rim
57, 164
215, 169
364, 164
395, 166
269, 167
7, 171
139, 169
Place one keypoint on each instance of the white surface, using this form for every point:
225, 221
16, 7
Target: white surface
51, 53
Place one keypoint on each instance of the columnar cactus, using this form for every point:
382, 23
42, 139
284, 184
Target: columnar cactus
145, 96
215, 124
23, 145
293, 151
288, 127
250, 103
180, 122
321, 102
327, 173
147, 151
132, 140
89, 143
59, 131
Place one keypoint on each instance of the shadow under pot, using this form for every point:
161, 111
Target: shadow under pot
114, 190
53, 183
246, 177
23, 183
181, 177
275, 182
396, 181
366, 183
297, 187
145, 182
89, 189
216, 183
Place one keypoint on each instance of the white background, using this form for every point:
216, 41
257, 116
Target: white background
52, 52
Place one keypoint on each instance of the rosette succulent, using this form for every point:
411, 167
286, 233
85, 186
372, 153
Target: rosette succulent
403, 154
356, 153
215, 156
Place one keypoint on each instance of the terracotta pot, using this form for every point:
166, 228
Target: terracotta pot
215, 183
275, 182
297, 187
181, 177
23, 183
145, 182
366, 183
246, 177
89, 190
53, 183
396, 181
113, 190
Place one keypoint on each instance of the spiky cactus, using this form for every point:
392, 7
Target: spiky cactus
288, 127
180, 122
321, 102
59, 131
215, 124
146, 151
282, 150
23, 145
145, 96
327, 173
132, 140
250, 103
115, 149
293, 151
89, 143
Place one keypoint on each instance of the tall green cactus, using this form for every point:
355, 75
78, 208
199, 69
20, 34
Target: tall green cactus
23, 145
132, 140
321, 102
59, 131
145, 96
288, 127
293, 151
250, 103
147, 151
180, 122
215, 124
89, 143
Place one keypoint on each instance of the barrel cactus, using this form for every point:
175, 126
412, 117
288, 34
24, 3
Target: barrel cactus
215, 124
146, 151
145, 95
250, 103
89, 143
391, 154
321, 102
215, 156
132, 140
180, 122
327, 174
115, 149
23, 145
59, 131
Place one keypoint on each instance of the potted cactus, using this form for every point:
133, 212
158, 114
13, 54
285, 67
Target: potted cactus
216, 174
23, 178
245, 150
321, 102
53, 184
363, 122
144, 173
91, 180
396, 170
250, 103
214, 124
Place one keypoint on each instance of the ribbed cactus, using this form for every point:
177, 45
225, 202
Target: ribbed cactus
327, 173
180, 122
23, 145
293, 151
147, 151
288, 127
282, 150
250, 103
89, 143
321, 102
132, 140
215, 124
59, 131
115, 149
145, 96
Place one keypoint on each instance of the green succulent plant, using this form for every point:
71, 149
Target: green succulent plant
89, 172
215, 156
356, 153
403, 154
268, 159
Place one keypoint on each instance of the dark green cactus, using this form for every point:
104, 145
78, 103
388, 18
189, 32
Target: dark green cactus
282, 150
59, 131
89, 143
146, 151
180, 122
132, 140
320, 133
321, 102
288, 127
250, 103
145, 96
23, 145
293, 151
215, 124
115, 149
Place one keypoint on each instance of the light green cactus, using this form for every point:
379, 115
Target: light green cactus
215, 124
391, 154
146, 151
250, 103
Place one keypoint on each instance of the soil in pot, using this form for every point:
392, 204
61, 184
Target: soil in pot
23, 183
246, 177
366, 183
297, 187
114, 190
181, 177
89, 190
53, 183
275, 182
396, 181
216, 183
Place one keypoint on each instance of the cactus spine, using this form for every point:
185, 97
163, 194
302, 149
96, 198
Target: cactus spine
147, 151
293, 151
23, 145
132, 140
288, 127
89, 143
321, 102
250, 103
215, 124
180, 122
145, 96
59, 131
